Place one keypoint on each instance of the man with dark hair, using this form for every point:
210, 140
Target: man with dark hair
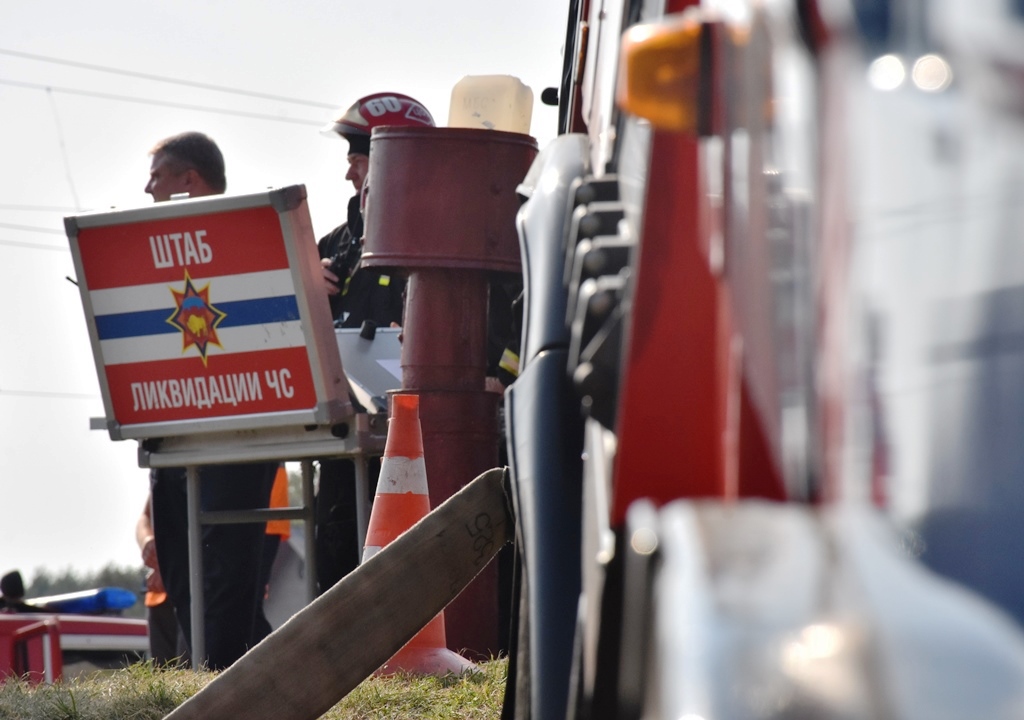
192, 164
189, 163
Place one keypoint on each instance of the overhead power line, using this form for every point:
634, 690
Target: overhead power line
31, 228
63, 149
161, 103
39, 208
33, 246
161, 78
41, 394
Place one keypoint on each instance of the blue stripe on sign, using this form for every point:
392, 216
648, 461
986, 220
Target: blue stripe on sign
259, 312
238, 313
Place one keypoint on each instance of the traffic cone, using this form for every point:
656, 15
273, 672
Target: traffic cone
400, 502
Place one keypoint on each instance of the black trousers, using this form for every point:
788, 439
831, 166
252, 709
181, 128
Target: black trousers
166, 644
337, 531
231, 553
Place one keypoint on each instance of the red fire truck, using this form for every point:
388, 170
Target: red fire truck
699, 492
70, 634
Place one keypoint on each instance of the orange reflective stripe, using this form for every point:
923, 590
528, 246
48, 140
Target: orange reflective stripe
398, 512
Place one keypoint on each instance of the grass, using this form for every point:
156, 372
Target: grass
142, 692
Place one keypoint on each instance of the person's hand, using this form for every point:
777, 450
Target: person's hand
331, 281
149, 553
155, 583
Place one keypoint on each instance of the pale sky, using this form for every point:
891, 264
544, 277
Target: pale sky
74, 137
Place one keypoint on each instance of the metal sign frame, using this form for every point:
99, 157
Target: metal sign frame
149, 276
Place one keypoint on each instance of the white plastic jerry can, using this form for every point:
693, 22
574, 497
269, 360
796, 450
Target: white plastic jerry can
491, 102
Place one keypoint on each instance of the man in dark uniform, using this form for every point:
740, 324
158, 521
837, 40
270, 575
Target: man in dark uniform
191, 164
356, 295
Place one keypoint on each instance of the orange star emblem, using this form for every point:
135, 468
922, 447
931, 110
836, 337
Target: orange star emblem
196, 317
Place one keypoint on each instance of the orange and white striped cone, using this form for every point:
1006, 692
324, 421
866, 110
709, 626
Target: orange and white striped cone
400, 502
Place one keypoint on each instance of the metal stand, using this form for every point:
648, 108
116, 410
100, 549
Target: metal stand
362, 502
195, 568
366, 439
309, 517
360, 437
197, 519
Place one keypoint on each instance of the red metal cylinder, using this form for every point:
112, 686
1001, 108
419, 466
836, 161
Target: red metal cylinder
441, 205
445, 197
460, 441
444, 335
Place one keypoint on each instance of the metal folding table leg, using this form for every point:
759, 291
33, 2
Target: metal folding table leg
362, 501
309, 518
195, 567
196, 520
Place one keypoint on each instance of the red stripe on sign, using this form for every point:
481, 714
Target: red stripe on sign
223, 243
167, 390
